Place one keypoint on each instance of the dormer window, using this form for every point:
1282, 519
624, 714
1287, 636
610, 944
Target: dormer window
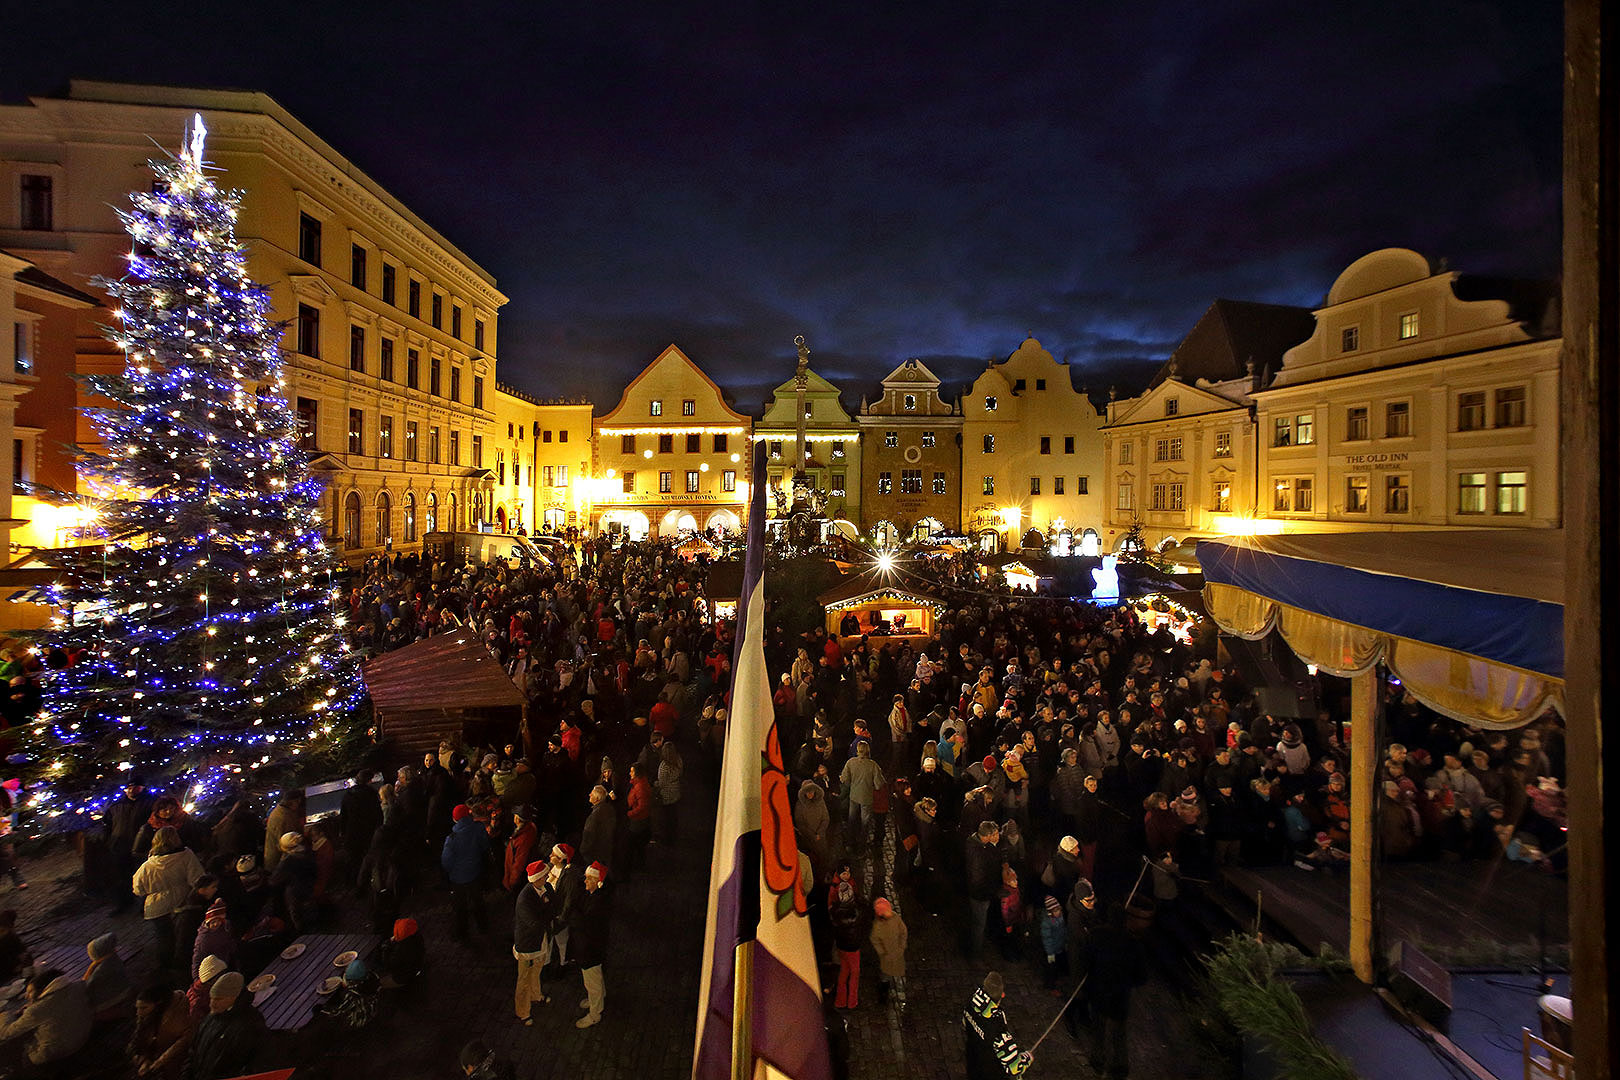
1349, 339
1172, 406
911, 403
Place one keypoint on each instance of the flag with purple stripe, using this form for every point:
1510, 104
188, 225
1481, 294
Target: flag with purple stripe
756, 892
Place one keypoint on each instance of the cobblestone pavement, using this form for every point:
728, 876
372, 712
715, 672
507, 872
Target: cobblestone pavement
652, 986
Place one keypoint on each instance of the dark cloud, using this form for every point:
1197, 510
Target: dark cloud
895, 181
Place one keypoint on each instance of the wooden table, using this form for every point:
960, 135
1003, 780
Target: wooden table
289, 1004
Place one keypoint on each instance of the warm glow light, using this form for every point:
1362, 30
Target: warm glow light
885, 561
1233, 525
646, 453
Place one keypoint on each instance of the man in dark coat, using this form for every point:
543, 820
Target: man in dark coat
597, 838
992, 1052
983, 880
360, 815
1113, 967
589, 940
228, 1038
125, 816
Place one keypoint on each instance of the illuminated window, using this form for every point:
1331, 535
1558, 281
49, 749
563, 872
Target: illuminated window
1125, 496
1221, 497
656, 408
911, 481
728, 480
1355, 494
691, 480
1223, 444
1409, 325
688, 407
891, 439
837, 487
1282, 431
433, 445
885, 483
385, 437
939, 483
1168, 449
989, 485
1282, 497
911, 402
989, 444
1397, 494
775, 448
1304, 429
410, 440
1511, 489
1304, 494
989, 404
1471, 493
837, 448
1125, 453
665, 482
928, 438
1167, 496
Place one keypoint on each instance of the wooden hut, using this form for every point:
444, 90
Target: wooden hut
877, 602
445, 687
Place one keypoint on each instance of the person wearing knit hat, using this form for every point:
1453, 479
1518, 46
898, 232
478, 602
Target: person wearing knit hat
226, 989
105, 982
1054, 933
463, 857
402, 957
290, 842
211, 968
213, 938
888, 937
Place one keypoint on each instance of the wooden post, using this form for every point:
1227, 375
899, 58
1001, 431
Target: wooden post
1363, 819
742, 1012
1591, 505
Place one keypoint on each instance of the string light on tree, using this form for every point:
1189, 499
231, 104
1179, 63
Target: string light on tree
207, 532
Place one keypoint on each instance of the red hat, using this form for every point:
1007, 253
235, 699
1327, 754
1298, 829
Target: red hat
989, 763
537, 870
216, 910
882, 908
598, 869
404, 928
460, 812
565, 850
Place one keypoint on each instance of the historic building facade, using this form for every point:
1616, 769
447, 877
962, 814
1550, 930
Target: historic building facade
392, 330
1180, 458
1430, 399
671, 457
833, 447
1032, 451
911, 457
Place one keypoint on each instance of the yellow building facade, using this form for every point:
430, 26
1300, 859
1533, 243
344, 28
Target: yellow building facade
392, 330
1430, 399
833, 439
671, 457
1032, 452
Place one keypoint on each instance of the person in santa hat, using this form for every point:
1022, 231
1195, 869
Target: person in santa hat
589, 931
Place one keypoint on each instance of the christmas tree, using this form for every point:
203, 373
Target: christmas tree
202, 618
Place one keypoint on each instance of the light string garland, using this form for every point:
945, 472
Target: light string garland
208, 647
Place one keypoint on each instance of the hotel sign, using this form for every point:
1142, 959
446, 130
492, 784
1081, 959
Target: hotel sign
1377, 461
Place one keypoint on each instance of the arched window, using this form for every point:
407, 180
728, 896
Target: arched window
351, 520
385, 515
430, 520
451, 522
410, 518
477, 509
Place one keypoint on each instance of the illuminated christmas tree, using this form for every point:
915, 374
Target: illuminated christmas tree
203, 607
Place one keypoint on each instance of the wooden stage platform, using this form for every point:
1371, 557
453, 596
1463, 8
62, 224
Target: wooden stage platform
1474, 914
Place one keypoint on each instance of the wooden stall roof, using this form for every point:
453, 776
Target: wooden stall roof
451, 671
873, 582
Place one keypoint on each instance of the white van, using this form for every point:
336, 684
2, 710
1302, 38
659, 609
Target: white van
490, 549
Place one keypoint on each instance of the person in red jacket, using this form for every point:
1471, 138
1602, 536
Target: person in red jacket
638, 815
663, 717
520, 849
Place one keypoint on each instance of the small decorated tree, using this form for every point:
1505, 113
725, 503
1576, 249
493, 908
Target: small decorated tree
200, 621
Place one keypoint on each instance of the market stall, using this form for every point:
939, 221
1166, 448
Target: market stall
447, 686
878, 602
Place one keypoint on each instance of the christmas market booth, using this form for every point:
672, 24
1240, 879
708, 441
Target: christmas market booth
879, 603
445, 687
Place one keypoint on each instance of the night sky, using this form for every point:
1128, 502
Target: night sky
930, 180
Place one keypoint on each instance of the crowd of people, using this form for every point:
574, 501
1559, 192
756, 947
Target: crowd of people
1051, 775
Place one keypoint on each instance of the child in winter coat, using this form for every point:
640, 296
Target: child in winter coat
1012, 913
845, 909
889, 942
1054, 939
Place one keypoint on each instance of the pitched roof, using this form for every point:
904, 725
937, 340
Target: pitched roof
873, 582
1230, 334
39, 279
450, 671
